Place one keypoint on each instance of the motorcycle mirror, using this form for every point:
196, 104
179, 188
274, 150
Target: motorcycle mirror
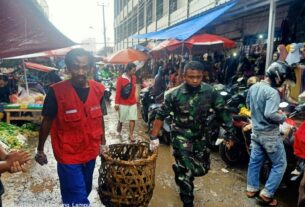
223, 93
283, 104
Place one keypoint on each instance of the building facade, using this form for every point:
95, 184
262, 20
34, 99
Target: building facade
133, 17
143, 16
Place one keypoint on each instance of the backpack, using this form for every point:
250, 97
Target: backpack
126, 90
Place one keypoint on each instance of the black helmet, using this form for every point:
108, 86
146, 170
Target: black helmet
278, 72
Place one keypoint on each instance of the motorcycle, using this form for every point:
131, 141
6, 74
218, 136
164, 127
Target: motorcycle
235, 149
147, 99
107, 82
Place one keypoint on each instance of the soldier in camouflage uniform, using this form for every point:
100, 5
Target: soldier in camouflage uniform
189, 105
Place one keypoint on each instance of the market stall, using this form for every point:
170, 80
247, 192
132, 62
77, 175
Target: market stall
26, 104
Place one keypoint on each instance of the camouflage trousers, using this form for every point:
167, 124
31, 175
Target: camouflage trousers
192, 160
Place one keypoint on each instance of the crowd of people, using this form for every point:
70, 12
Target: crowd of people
73, 113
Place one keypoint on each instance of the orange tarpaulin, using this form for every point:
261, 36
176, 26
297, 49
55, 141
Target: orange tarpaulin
39, 67
127, 55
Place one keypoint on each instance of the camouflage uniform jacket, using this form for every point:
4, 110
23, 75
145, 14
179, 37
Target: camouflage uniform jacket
189, 110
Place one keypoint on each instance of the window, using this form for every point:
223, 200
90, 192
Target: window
159, 9
141, 18
134, 22
149, 12
172, 6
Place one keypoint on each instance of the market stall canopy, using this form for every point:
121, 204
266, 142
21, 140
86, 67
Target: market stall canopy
126, 55
185, 29
50, 53
39, 67
25, 30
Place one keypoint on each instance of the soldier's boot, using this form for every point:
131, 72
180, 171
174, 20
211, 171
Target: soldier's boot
188, 205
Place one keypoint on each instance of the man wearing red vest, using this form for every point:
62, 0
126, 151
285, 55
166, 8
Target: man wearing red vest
73, 111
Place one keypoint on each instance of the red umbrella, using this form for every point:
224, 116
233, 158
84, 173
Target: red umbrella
209, 39
201, 40
127, 55
161, 49
170, 45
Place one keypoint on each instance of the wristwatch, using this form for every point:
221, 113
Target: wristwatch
153, 138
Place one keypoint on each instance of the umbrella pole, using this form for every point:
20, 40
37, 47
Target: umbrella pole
25, 78
182, 49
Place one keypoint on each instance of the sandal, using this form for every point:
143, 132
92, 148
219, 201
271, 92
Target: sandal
132, 139
265, 201
252, 194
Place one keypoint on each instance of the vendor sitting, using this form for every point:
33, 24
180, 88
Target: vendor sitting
4, 89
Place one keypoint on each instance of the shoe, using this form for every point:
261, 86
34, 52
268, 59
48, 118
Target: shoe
265, 201
252, 194
188, 205
295, 172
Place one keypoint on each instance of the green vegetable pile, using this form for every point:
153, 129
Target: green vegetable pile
11, 136
29, 130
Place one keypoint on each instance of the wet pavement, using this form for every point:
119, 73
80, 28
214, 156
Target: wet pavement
221, 187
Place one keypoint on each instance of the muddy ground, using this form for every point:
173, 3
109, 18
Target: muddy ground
222, 187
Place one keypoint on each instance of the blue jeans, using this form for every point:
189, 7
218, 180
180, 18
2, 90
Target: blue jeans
75, 182
265, 146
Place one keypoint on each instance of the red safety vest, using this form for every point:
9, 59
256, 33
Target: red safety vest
77, 129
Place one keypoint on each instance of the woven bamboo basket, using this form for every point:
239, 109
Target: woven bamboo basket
127, 175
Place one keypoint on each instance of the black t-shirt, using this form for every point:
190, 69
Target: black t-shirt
4, 94
50, 103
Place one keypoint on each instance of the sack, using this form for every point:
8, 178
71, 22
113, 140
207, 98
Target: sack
126, 90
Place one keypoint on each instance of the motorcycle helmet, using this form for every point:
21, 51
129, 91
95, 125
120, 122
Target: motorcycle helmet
278, 72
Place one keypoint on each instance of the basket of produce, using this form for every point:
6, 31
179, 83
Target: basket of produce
127, 175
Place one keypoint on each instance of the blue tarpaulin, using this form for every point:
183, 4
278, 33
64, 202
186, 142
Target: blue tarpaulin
185, 29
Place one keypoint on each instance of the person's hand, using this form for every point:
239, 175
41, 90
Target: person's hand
154, 144
20, 156
41, 158
116, 107
104, 149
16, 167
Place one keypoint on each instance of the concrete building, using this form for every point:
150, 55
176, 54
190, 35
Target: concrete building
248, 17
143, 16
